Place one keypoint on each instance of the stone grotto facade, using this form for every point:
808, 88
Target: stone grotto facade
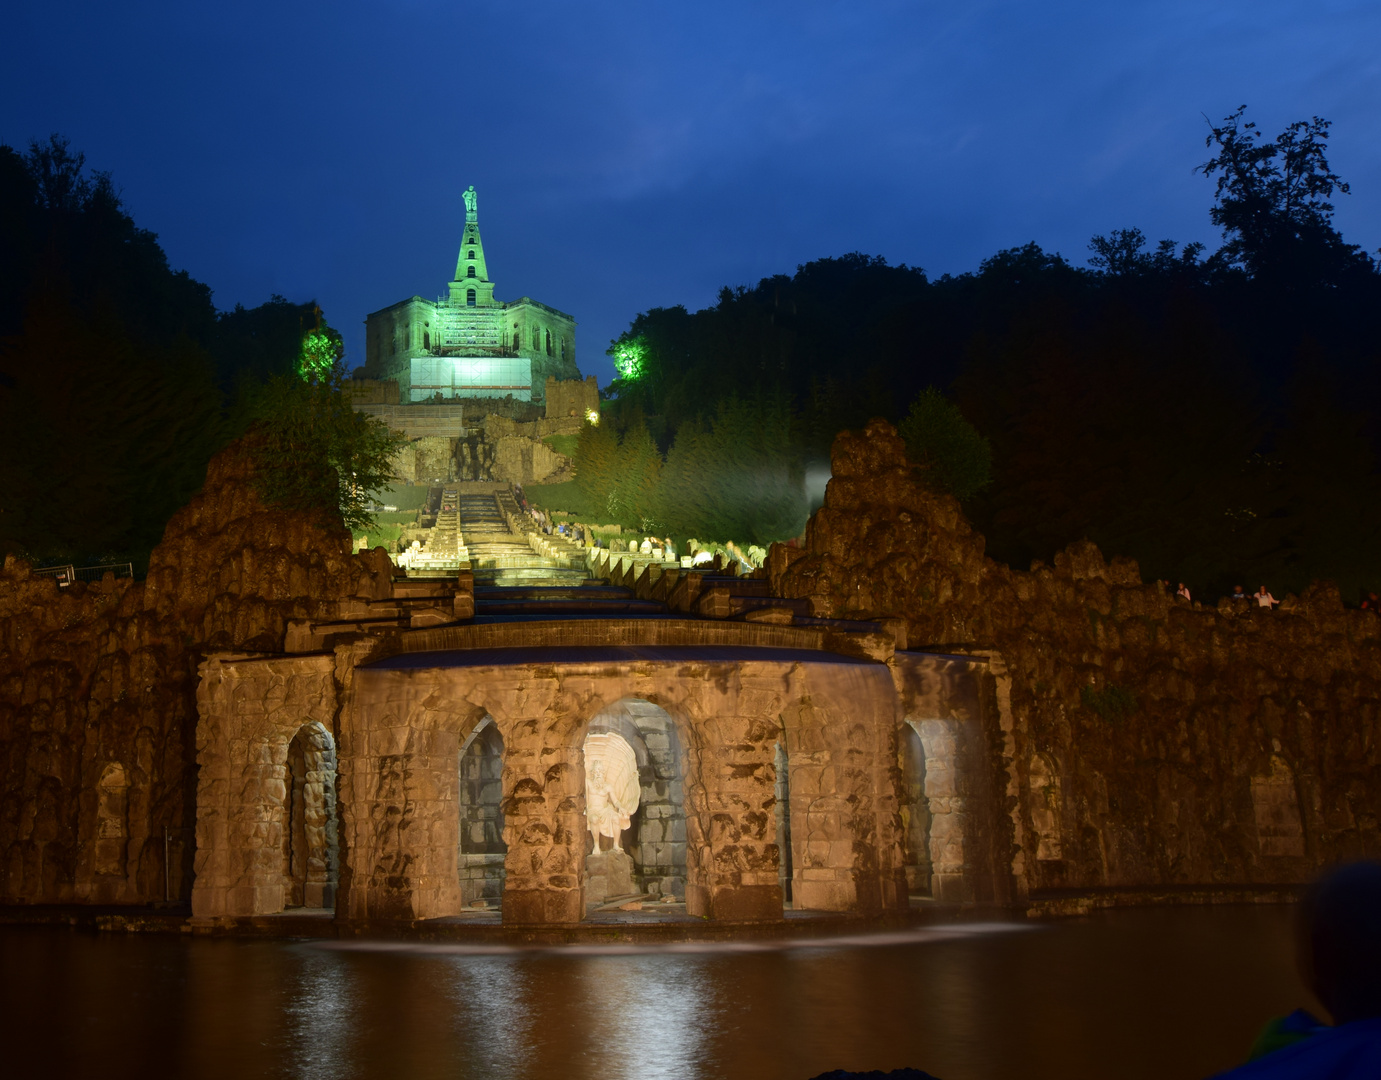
270, 722
768, 767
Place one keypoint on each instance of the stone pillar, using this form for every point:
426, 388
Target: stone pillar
239, 860
841, 748
730, 821
319, 805
944, 790
820, 815
544, 828
402, 818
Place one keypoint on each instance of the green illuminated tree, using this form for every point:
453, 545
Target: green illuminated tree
630, 356
596, 465
322, 349
958, 458
638, 473
315, 452
739, 478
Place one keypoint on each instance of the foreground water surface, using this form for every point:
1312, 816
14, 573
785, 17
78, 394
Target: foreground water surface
1149, 993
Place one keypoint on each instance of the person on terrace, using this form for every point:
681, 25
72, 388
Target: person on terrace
1239, 594
1183, 591
1339, 956
1263, 598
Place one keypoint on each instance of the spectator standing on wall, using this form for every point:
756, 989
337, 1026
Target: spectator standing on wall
1239, 594
1264, 598
1183, 591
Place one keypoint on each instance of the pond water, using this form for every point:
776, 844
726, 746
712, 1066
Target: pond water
1162, 993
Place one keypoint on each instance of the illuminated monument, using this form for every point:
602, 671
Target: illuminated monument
467, 344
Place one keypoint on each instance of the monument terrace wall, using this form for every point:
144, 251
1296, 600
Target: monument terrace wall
572, 397
98, 687
1252, 755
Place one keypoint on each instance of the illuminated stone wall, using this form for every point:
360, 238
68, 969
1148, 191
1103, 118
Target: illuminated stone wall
1252, 756
98, 687
714, 733
576, 398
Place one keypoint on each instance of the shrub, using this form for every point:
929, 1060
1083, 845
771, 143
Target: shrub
1113, 703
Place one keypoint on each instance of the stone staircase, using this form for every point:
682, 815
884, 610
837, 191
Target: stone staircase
501, 550
445, 551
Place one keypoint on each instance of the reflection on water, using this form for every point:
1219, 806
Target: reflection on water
1170, 993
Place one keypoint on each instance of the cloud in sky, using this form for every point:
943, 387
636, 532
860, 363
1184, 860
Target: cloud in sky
630, 155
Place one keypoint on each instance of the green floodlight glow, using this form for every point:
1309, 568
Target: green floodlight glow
318, 357
629, 358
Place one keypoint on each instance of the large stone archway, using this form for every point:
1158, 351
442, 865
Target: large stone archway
728, 718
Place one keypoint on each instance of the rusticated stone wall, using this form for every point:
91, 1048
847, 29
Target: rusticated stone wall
573, 397
1251, 753
98, 684
402, 724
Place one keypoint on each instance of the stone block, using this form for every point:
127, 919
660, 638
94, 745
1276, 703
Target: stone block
950, 888
823, 895
608, 873
537, 907
735, 903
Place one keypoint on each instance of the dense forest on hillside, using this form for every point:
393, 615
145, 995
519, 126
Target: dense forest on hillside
1216, 416
118, 377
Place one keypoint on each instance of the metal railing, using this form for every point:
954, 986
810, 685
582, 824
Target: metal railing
67, 574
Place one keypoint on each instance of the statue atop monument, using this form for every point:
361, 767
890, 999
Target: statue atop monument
470, 200
611, 787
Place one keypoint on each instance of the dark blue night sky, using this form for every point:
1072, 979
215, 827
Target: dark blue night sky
631, 155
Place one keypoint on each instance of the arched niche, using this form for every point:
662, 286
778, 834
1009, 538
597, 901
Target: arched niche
1046, 807
655, 839
937, 816
112, 820
309, 845
914, 806
781, 809
481, 852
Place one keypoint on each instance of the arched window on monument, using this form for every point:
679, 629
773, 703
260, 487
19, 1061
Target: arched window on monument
469, 297
517, 340
426, 339
563, 348
472, 253
469, 271
536, 338
548, 342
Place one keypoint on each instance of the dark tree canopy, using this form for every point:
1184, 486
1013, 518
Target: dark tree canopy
116, 371
1274, 204
1217, 418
